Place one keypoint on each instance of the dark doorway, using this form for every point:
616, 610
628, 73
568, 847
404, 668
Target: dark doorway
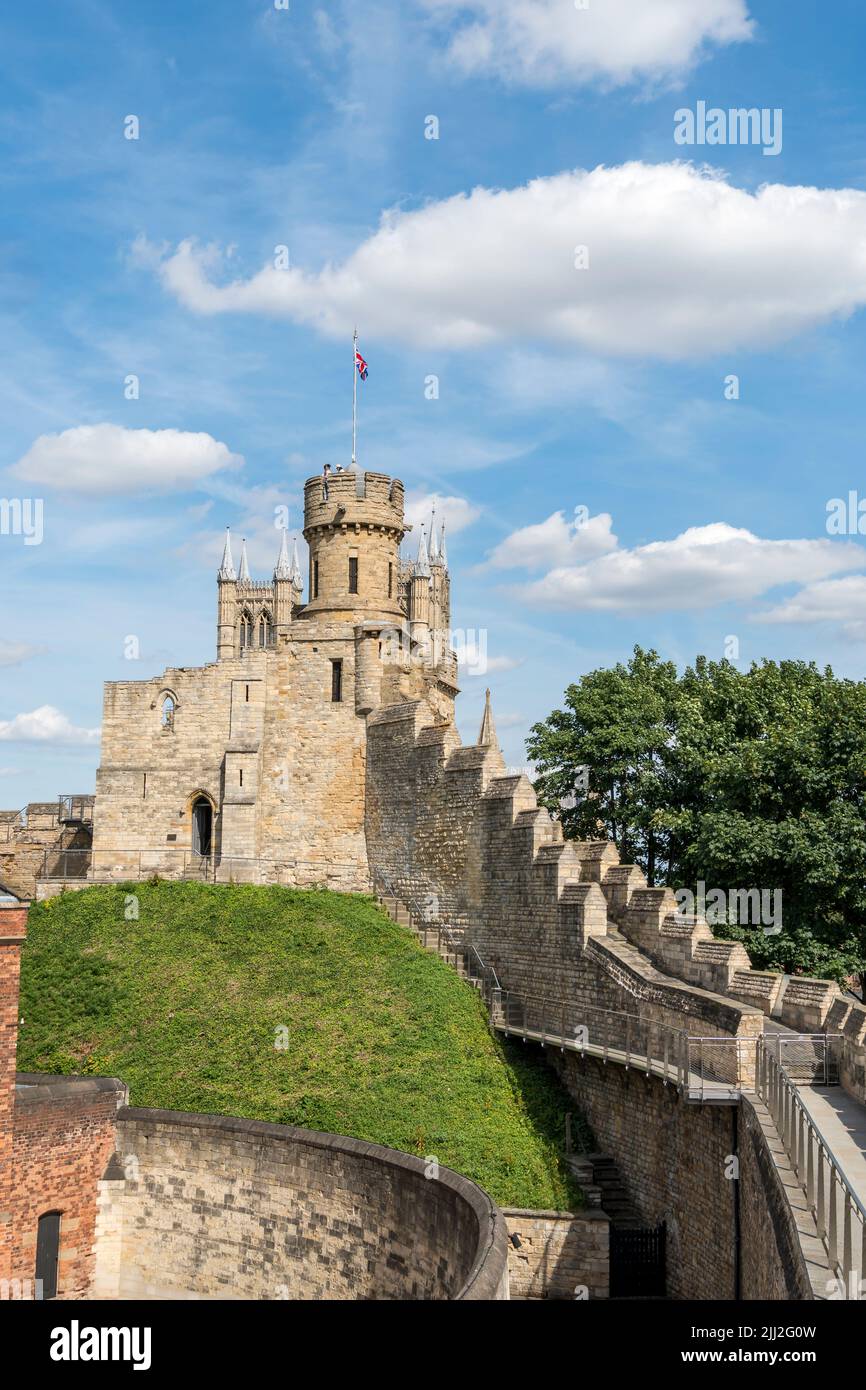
637, 1262
202, 825
47, 1252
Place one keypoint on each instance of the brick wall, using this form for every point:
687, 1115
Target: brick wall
64, 1136
13, 927
56, 1135
209, 1207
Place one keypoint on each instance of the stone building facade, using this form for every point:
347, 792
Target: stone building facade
253, 767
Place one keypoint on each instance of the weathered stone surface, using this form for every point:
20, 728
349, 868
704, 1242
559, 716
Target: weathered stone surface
225, 1208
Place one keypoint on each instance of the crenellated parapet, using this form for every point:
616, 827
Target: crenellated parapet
462, 841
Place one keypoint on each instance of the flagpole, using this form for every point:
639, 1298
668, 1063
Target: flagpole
354, 395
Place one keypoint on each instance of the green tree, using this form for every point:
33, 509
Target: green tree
769, 791
617, 725
740, 780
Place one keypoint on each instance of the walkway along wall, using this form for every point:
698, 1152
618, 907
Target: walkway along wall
464, 844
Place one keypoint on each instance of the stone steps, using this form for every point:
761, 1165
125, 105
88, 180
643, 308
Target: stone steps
606, 1182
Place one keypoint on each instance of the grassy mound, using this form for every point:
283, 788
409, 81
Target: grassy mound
304, 1008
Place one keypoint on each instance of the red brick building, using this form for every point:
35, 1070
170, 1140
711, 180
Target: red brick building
57, 1134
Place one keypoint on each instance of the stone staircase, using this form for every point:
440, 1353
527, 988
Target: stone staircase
603, 1187
430, 937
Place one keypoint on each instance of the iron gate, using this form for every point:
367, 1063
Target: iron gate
637, 1262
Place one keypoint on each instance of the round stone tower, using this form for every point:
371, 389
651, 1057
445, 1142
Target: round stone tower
354, 534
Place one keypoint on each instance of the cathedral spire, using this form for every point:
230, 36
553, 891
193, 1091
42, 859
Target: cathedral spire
227, 568
487, 736
283, 570
434, 546
296, 565
422, 564
443, 553
244, 571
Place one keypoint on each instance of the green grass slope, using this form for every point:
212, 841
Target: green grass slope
383, 1041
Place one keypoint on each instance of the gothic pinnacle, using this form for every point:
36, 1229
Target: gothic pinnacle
227, 568
283, 569
487, 736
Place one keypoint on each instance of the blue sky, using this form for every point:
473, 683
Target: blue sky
559, 387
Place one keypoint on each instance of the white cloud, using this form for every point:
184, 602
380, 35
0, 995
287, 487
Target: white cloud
257, 513
704, 565
13, 653
477, 663
457, 512
547, 42
554, 541
840, 602
681, 264
510, 721
45, 725
107, 459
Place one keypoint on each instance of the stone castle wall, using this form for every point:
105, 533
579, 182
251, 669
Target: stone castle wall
558, 1254
260, 736
270, 734
206, 1207
572, 932
464, 844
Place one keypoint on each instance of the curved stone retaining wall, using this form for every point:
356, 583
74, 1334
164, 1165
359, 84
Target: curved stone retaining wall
201, 1206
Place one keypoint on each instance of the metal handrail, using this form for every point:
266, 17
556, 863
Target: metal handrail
799, 1132
139, 864
809, 1152
670, 1051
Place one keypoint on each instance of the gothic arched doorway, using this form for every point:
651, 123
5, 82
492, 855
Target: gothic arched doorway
202, 826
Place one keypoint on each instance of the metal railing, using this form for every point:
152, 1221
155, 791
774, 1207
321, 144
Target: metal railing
73, 807
130, 865
840, 1215
703, 1068
11, 824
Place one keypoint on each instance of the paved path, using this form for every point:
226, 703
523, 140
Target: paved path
842, 1121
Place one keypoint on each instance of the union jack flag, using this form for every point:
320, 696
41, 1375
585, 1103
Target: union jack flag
361, 365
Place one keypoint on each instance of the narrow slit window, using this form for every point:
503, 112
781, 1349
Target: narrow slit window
241, 775
315, 579
336, 682
144, 788
353, 574
390, 580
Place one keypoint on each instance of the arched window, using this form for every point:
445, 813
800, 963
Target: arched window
167, 712
246, 631
265, 630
